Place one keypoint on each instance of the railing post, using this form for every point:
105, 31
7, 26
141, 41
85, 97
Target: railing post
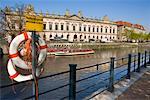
145, 59
129, 66
134, 62
149, 57
72, 85
142, 59
139, 57
111, 79
97, 67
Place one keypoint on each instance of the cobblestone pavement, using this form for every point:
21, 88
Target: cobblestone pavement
140, 90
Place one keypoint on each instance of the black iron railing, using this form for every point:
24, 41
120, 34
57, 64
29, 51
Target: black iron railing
81, 81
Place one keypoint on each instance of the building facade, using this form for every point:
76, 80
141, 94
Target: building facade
76, 28
122, 26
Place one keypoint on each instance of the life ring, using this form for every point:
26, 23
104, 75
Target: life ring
14, 54
14, 75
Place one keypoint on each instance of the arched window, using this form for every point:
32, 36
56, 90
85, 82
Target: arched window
101, 37
93, 37
85, 37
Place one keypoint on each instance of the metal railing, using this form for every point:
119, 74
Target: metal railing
116, 70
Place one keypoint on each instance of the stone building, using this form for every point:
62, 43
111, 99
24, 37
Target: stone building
77, 28
122, 25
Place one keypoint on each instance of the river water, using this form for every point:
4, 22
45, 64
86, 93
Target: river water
55, 64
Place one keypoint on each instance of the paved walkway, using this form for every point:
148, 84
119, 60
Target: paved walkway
137, 88
140, 90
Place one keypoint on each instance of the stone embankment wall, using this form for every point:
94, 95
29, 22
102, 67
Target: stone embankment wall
95, 45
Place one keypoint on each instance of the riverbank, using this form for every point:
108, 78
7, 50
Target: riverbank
94, 46
97, 46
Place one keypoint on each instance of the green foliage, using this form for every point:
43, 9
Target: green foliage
131, 35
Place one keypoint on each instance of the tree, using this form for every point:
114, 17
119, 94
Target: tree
11, 21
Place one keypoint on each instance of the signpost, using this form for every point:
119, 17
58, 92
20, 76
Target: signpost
34, 23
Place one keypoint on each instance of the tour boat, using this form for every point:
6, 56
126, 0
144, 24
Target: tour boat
74, 52
68, 52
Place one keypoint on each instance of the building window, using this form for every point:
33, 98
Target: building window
67, 28
97, 29
74, 28
113, 30
80, 36
79, 28
84, 28
89, 28
101, 29
93, 37
62, 36
110, 30
85, 37
97, 37
106, 30
110, 38
68, 36
50, 36
93, 29
101, 37
62, 27
56, 27
44, 26
50, 26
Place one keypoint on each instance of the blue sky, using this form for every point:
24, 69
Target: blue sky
134, 11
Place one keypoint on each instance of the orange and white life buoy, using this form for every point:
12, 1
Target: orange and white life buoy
13, 74
14, 54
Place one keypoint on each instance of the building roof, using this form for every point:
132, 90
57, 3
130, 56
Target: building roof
128, 24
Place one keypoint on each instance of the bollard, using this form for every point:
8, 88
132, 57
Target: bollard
138, 68
111, 79
134, 62
72, 85
129, 66
145, 59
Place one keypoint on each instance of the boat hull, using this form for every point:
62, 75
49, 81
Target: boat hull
73, 53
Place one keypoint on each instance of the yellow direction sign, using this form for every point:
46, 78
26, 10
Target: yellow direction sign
34, 23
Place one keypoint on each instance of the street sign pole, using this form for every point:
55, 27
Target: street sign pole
34, 64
